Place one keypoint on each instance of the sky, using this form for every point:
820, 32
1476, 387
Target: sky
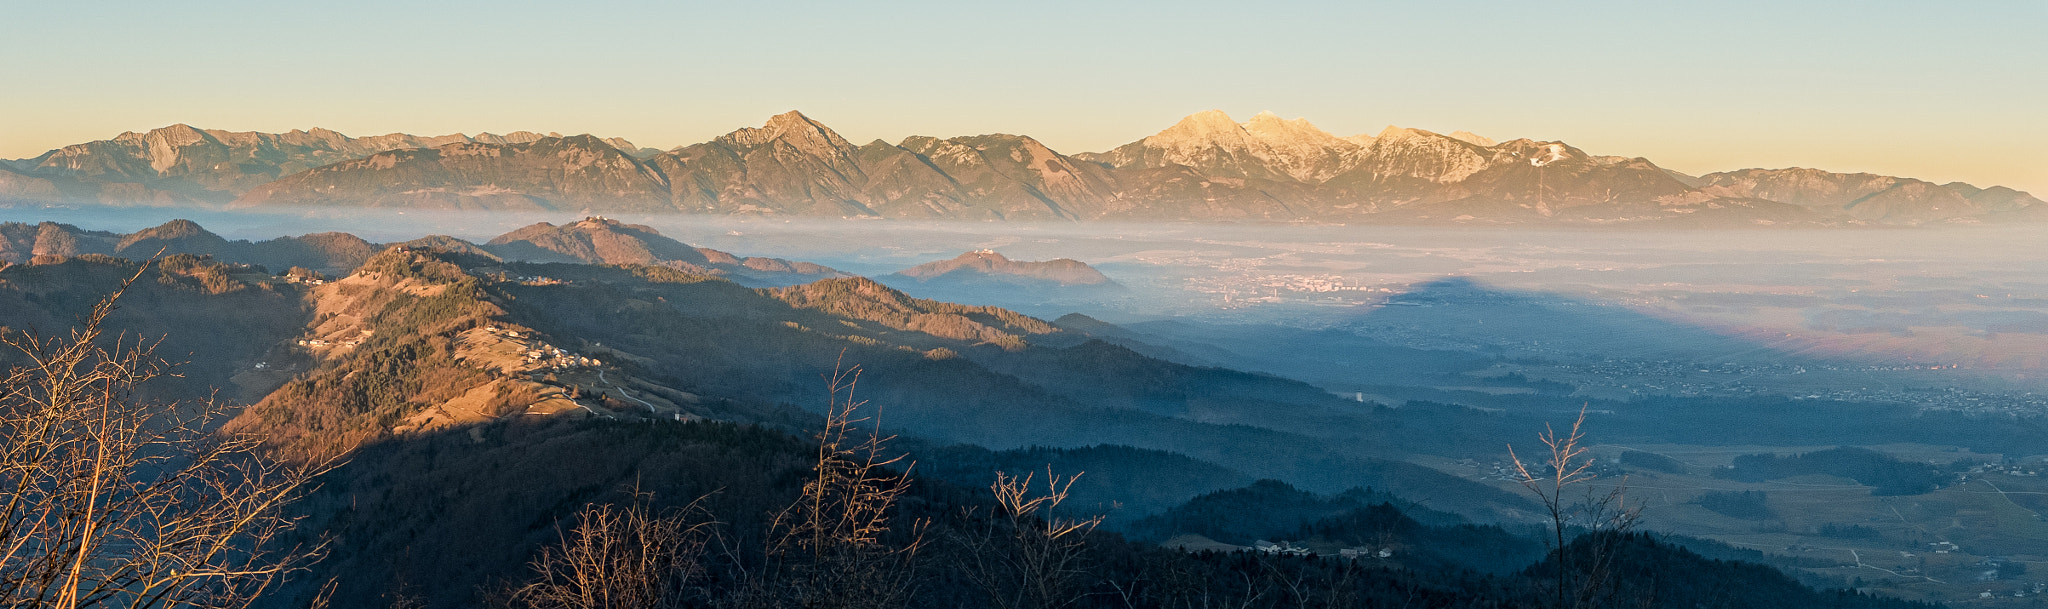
1935, 90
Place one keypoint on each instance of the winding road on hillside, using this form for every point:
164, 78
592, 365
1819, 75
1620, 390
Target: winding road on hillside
622, 391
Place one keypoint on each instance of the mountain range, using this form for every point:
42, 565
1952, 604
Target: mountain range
1207, 166
589, 241
181, 164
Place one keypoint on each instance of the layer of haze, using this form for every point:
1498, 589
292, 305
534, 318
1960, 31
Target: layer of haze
1940, 91
1929, 306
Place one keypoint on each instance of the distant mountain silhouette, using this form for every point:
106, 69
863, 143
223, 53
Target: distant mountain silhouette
606, 241
987, 266
1207, 166
327, 252
590, 241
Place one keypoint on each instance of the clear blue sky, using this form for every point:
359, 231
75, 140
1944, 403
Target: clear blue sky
1939, 90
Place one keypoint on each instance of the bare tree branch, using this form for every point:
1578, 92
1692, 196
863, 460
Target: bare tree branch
114, 501
1584, 577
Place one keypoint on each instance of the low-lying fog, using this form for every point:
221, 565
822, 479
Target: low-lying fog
1956, 317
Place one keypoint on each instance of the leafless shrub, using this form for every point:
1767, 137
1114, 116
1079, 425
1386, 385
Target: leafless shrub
110, 500
1585, 577
622, 558
1029, 557
827, 549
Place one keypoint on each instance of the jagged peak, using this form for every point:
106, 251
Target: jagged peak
1206, 121
177, 129
790, 120
793, 127
177, 134
1205, 128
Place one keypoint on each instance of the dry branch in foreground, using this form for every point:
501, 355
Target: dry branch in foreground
109, 500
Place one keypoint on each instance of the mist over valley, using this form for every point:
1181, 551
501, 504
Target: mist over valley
1398, 360
1065, 305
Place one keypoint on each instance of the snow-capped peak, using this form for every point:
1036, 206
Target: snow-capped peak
1267, 146
1202, 129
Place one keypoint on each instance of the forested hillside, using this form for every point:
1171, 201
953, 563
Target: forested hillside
475, 410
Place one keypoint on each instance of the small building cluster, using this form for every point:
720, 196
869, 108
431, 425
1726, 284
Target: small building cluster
1365, 553
321, 343
1286, 548
2037, 589
542, 355
2009, 468
1281, 547
559, 359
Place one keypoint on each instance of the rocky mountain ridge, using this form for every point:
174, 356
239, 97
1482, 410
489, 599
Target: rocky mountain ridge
215, 166
598, 240
589, 241
1205, 167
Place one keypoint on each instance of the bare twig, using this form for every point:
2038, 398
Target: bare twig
826, 549
110, 500
1030, 558
1583, 577
623, 558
